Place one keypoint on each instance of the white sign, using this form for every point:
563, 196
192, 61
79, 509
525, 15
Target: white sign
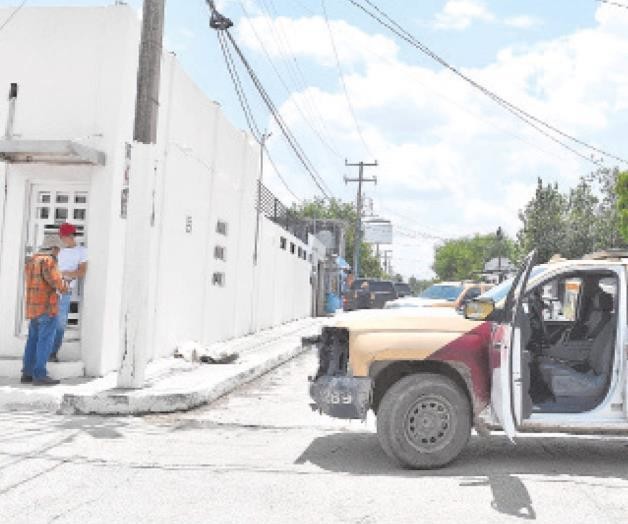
378, 232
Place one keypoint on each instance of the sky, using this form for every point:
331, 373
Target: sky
450, 161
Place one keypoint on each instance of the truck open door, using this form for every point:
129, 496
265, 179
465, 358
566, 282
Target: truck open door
501, 351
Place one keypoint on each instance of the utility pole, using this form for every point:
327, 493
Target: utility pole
358, 222
262, 144
387, 261
136, 323
149, 72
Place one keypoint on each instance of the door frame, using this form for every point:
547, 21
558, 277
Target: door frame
619, 380
30, 204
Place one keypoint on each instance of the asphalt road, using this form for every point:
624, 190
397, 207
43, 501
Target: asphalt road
261, 455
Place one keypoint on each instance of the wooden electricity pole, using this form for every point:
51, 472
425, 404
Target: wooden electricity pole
137, 310
149, 72
358, 222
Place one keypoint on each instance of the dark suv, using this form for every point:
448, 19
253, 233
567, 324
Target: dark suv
402, 289
368, 294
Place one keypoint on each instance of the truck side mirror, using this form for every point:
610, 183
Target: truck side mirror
478, 310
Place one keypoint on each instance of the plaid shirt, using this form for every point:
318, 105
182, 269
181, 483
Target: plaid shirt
43, 280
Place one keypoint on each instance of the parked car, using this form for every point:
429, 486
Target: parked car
443, 294
368, 294
545, 351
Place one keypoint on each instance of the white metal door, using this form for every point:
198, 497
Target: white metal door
505, 342
50, 205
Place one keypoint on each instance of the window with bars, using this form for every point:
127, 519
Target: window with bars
220, 253
221, 227
218, 279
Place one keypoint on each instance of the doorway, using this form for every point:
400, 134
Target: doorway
49, 206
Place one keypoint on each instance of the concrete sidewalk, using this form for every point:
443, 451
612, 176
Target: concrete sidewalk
171, 384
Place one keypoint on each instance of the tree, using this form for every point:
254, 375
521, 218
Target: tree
464, 258
581, 235
543, 222
335, 209
418, 286
583, 220
617, 208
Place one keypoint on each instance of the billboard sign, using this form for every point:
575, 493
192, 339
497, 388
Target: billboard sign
378, 232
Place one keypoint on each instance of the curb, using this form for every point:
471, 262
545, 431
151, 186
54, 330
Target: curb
169, 402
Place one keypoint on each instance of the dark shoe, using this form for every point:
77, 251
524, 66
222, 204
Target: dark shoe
53, 358
26, 379
45, 381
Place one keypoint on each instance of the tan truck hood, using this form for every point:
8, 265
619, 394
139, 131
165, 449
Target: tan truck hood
412, 334
444, 320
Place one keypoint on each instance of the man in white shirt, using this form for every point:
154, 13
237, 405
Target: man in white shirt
73, 265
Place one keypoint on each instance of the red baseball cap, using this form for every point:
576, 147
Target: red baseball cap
66, 230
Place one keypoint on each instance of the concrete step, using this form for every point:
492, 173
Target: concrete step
12, 368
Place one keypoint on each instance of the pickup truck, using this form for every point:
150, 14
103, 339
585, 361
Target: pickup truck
544, 352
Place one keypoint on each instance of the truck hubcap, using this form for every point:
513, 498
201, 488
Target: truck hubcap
428, 423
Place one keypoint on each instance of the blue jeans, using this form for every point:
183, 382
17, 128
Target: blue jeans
62, 320
41, 333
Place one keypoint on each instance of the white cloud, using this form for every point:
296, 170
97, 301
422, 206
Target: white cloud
460, 14
450, 159
309, 36
523, 22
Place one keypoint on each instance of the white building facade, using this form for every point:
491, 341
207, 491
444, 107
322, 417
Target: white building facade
68, 157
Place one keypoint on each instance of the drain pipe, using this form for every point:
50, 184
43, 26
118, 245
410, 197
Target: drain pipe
8, 135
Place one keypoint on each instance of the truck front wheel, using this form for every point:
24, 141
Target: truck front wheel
424, 421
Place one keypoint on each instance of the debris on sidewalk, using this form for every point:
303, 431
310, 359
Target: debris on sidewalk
193, 351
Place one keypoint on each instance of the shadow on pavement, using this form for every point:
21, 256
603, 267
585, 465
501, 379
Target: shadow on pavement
494, 462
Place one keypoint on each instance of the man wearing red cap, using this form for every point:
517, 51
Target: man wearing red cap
73, 265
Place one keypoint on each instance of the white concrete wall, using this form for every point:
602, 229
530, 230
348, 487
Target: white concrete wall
210, 172
76, 69
76, 72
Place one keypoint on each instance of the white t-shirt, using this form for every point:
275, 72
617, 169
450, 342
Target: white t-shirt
70, 258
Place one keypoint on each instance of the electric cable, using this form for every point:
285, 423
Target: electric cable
523, 115
13, 13
342, 81
222, 24
279, 175
616, 4
283, 82
246, 108
279, 120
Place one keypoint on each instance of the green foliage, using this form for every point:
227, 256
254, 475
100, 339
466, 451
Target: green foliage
334, 209
583, 220
622, 204
543, 221
464, 258
418, 286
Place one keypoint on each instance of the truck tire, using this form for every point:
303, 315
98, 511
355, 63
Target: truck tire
424, 421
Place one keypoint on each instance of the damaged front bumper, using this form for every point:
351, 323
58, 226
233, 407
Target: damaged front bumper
333, 390
342, 397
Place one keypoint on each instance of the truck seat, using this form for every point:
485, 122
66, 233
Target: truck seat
564, 381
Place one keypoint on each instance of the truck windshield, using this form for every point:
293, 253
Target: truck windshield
442, 292
498, 293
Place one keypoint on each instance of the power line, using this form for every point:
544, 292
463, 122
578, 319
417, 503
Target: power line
222, 24
537, 123
13, 13
233, 73
290, 59
616, 4
283, 82
246, 109
342, 81
280, 177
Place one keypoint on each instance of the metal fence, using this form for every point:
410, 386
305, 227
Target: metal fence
272, 208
